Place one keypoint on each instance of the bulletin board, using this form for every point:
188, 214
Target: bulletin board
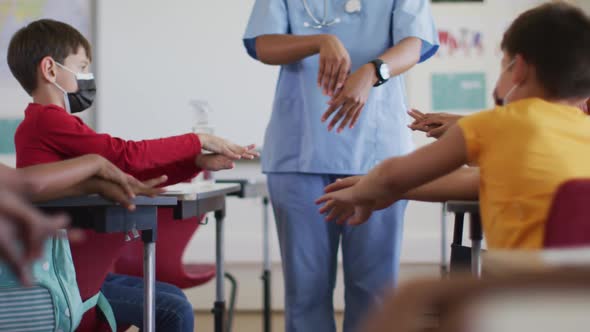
458, 91
461, 77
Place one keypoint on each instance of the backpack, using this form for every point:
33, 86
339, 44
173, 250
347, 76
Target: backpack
54, 302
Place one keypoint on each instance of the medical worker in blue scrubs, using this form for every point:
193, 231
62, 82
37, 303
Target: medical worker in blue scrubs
340, 109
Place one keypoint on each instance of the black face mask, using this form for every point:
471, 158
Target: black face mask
502, 101
83, 98
499, 101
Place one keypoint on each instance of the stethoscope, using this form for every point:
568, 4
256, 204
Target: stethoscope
351, 7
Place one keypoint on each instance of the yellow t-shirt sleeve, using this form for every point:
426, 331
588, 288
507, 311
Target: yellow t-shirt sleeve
478, 132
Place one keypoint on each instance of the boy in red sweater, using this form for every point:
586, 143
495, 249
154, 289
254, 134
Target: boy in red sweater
51, 61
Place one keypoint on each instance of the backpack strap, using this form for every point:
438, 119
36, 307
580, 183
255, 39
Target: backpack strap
100, 301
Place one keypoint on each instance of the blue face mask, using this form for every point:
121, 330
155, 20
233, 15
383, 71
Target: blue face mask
503, 101
83, 98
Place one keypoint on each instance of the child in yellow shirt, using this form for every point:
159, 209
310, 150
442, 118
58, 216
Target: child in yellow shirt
534, 140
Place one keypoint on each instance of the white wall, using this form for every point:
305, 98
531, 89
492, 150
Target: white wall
155, 56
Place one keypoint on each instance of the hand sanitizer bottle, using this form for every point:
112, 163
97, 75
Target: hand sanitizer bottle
202, 126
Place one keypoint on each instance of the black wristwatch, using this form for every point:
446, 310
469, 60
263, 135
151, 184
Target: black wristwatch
382, 71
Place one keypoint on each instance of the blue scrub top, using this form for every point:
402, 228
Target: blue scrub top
296, 140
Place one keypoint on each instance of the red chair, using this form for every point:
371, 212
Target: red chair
94, 259
568, 222
173, 238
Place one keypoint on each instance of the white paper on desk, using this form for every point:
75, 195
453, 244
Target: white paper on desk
187, 188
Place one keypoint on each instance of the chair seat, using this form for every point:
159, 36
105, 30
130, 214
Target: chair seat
568, 222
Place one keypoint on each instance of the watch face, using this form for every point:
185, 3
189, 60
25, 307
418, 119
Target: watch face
384, 71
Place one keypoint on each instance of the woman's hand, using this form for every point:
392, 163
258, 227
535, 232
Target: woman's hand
349, 101
334, 65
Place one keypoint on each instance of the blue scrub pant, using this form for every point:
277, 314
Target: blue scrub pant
309, 247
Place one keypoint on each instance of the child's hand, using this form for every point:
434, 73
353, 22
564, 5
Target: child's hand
117, 192
13, 180
214, 162
343, 183
232, 151
112, 192
433, 124
149, 188
342, 206
20, 221
342, 213
109, 172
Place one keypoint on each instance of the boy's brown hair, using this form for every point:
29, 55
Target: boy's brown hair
555, 39
37, 40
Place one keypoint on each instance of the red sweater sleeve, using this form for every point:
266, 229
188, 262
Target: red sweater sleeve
172, 156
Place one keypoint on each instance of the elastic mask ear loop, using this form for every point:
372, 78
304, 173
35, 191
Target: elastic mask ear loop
66, 99
505, 99
509, 93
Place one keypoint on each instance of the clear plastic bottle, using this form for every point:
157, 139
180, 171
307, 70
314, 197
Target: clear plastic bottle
201, 126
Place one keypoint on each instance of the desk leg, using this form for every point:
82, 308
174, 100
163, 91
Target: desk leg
457, 259
266, 274
219, 306
443, 241
149, 278
476, 238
